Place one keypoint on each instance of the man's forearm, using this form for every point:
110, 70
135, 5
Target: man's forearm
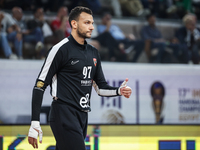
36, 103
106, 90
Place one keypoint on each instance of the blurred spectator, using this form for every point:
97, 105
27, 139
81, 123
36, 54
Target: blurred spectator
133, 7
189, 37
60, 25
33, 33
106, 40
14, 34
7, 24
128, 41
180, 8
17, 15
115, 6
153, 36
21, 25
44, 25
152, 5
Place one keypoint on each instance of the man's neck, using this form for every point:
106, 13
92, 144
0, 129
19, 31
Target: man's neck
78, 39
152, 25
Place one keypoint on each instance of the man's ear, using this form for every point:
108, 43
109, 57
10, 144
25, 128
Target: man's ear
74, 24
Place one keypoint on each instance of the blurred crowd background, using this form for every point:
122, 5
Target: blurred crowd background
151, 31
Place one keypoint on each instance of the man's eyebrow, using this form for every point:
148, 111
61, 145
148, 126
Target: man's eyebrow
89, 20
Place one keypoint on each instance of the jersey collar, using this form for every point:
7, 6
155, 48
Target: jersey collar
71, 38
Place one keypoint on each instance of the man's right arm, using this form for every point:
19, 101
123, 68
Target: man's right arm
50, 67
37, 97
52, 64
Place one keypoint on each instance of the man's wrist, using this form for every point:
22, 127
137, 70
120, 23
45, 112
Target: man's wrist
119, 91
35, 123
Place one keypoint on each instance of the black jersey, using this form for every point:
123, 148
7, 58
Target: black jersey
71, 69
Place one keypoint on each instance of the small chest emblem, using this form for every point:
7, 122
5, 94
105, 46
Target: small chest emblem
74, 62
95, 61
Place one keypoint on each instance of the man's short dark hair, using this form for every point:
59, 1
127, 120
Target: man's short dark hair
105, 13
149, 16
36, 9
75, 13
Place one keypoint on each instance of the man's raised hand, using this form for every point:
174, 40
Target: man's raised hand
124, 89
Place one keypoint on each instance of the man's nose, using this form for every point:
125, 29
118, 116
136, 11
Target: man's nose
92, 27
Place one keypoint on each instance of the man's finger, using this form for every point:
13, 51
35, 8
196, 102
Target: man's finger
30, 140
126, 93
40, 137
126, 90
127, 96
125, 82
35, 143
121, 90
34, 146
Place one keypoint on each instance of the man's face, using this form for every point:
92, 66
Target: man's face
190, 25
106, 19
39, 13
85, 25
63, 12
152, 20
19, 14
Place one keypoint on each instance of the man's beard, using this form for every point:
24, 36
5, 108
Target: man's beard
82, 34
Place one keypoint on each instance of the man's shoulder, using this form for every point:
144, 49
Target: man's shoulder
198, 29
114, 25
59, 50
182, 29
62, 45
145, 27
8, 17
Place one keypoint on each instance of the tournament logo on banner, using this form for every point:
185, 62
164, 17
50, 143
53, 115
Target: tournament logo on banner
158, 93
169, 94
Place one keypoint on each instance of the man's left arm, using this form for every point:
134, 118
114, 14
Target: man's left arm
103, 89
